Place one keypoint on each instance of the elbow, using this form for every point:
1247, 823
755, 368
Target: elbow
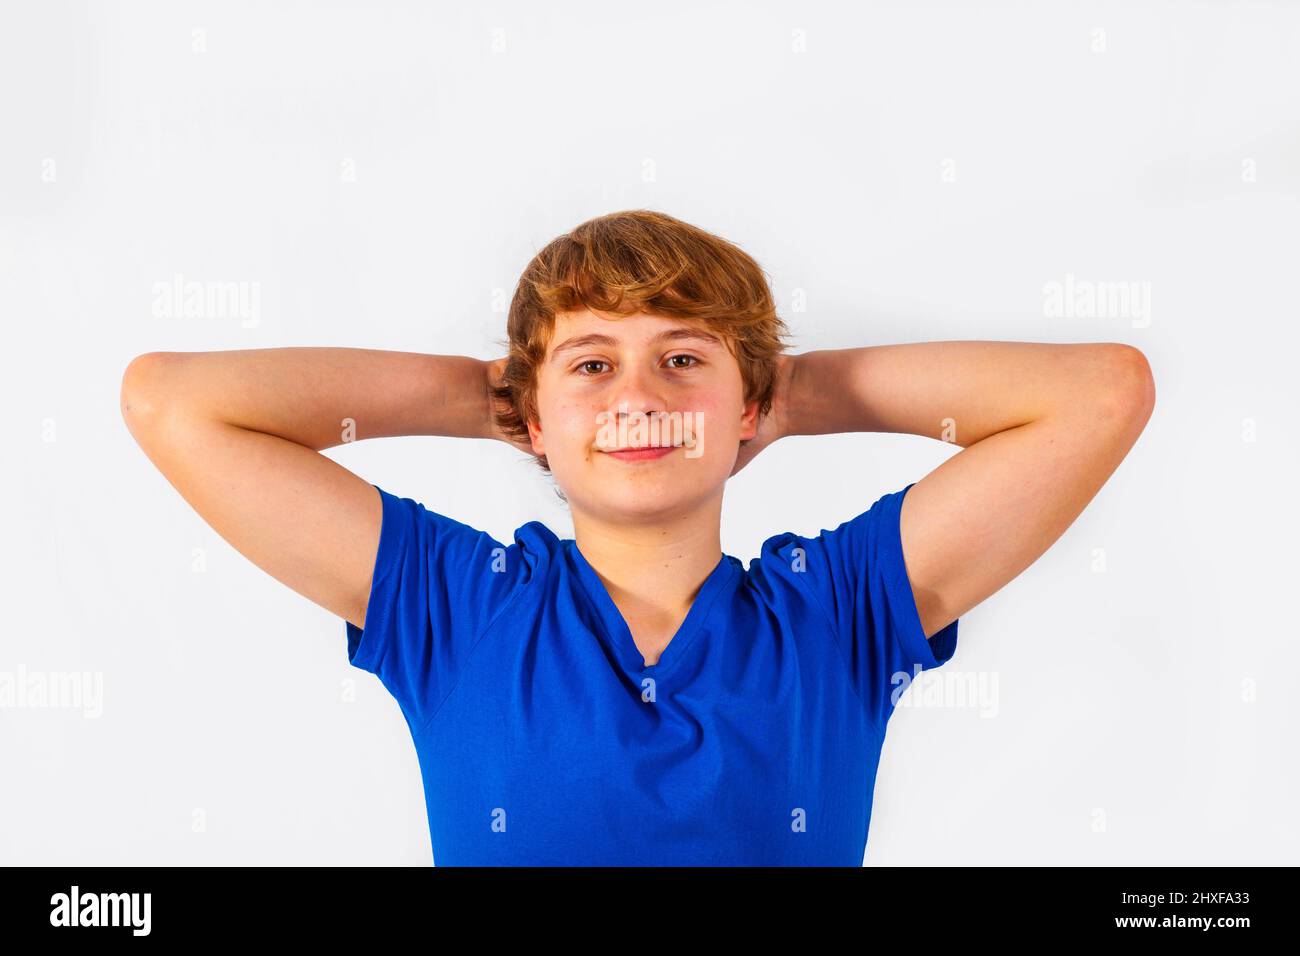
140, 386
1131, 386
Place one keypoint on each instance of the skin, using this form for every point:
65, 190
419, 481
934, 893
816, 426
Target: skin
650, 529
1050, 421
1041, 427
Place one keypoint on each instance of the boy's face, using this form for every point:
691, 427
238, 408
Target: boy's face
596, 389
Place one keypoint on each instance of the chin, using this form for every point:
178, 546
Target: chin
660, 496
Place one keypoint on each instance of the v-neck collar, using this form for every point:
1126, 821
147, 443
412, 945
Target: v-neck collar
618, 635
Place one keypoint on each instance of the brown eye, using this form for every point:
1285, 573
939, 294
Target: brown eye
692, 359
584, 365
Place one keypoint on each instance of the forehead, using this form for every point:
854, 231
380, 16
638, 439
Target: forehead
585, 328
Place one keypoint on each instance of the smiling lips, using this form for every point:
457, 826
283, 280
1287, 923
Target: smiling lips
648, 453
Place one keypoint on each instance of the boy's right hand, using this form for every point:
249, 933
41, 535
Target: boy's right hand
495, 369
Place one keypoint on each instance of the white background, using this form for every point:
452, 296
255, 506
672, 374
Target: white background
904, 172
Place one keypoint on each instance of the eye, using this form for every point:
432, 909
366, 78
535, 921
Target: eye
584, 368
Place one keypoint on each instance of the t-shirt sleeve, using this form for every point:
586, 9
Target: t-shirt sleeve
857, 573
437, 586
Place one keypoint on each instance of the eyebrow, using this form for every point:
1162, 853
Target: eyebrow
669, 335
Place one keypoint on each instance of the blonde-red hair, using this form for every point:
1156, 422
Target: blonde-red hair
639, 261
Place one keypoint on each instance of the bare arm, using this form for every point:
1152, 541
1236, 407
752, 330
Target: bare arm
239, 435
1042, 427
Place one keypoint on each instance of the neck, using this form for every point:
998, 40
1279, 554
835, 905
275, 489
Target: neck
653, 570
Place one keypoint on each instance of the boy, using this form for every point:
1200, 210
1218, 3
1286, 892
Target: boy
633, 696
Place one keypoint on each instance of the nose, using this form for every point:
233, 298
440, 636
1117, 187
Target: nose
637, 389
636, 396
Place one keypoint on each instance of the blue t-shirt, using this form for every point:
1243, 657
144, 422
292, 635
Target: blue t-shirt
543, 739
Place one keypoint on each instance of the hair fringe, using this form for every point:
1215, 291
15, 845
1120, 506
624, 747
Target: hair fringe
638, 260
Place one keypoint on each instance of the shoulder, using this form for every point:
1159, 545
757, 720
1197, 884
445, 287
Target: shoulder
461, 547
537, 541
843, 539
833, 566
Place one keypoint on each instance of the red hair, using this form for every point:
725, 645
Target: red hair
639, 261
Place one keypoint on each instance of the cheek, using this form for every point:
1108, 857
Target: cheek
720, 412
570, 423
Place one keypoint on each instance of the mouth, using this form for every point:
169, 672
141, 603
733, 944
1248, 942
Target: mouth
644, 453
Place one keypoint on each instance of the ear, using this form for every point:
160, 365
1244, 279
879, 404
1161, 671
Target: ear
535, 436
749, 421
